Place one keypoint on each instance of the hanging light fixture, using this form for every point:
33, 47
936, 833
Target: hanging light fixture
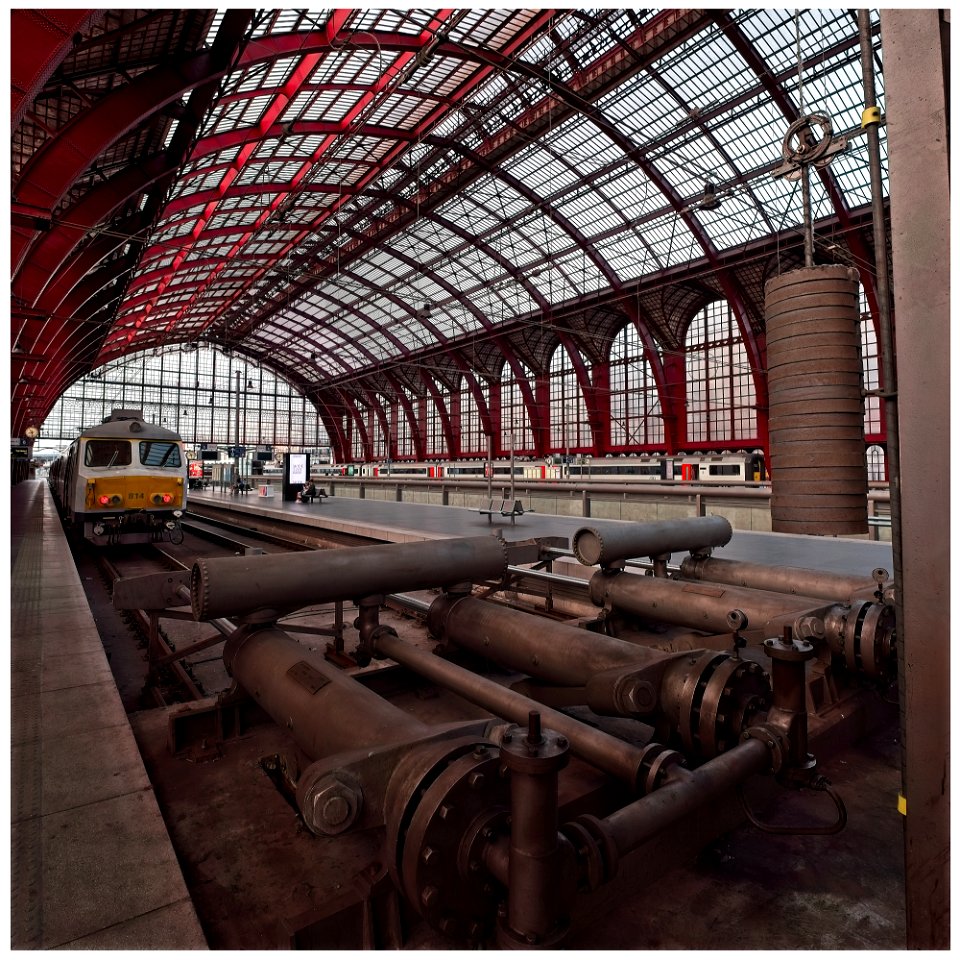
710, 199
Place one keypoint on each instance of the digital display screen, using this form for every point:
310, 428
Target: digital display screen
298, 468
195, 468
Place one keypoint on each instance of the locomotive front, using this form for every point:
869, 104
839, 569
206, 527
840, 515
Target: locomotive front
129, 482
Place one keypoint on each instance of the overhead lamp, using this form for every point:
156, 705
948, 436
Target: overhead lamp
249, 384
710, 199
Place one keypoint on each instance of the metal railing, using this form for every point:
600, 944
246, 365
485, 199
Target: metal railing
702, 498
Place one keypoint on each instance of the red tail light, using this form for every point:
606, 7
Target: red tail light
167, 498
104, 501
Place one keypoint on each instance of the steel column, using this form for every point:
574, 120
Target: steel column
916, 51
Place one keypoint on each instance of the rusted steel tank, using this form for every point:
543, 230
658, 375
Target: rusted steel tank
814, 371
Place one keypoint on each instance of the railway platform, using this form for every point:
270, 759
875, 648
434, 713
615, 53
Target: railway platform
92, 865
392, 522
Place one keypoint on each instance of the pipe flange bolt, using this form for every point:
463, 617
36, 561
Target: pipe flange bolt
775, 741
332, 804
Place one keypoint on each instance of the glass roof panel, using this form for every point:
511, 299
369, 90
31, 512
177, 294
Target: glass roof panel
696, 113
852, 170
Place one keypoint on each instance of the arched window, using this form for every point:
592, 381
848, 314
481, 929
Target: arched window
436, 442
194, 393
636, 418
721, 403
869, 355
569, 426
375, 429
403, 435
472, 439
876, 463
515, 430
363, 413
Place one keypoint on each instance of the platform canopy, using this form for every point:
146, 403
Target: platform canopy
344, 193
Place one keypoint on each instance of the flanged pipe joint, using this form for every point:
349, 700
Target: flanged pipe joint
789, 712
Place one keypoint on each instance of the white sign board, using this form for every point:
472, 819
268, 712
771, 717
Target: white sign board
298, 468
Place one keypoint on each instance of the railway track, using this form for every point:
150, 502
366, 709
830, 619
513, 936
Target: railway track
157, 663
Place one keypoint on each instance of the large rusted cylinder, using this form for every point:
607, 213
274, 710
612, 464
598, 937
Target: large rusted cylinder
272, 585
698, 605
554, 652
604, 546
817, 451
325, 711
795, 580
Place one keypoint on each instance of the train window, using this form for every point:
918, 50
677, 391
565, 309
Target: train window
725, 469
159, 453
107, 453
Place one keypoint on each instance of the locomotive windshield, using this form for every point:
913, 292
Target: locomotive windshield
159, 453
107, 453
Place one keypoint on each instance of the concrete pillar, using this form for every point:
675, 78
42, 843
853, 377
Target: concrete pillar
915, 51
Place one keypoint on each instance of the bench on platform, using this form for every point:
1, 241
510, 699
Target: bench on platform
506, 508
319, 494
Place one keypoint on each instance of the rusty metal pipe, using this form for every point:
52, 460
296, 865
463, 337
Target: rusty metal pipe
555, 652
700, 606
496, 859
326, 711
682, 794
792, 580
594, 545
269, 585
621, 760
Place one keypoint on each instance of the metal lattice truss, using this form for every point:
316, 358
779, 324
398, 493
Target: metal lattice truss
352, 197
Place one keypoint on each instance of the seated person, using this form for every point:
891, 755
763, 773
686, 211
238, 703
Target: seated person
309, 491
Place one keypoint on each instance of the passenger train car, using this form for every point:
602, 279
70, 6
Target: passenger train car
122, 481
719, 469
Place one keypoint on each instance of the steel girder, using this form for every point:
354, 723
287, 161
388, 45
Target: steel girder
49, 272
43, 39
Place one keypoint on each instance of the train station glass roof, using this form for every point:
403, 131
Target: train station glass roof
346, 189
